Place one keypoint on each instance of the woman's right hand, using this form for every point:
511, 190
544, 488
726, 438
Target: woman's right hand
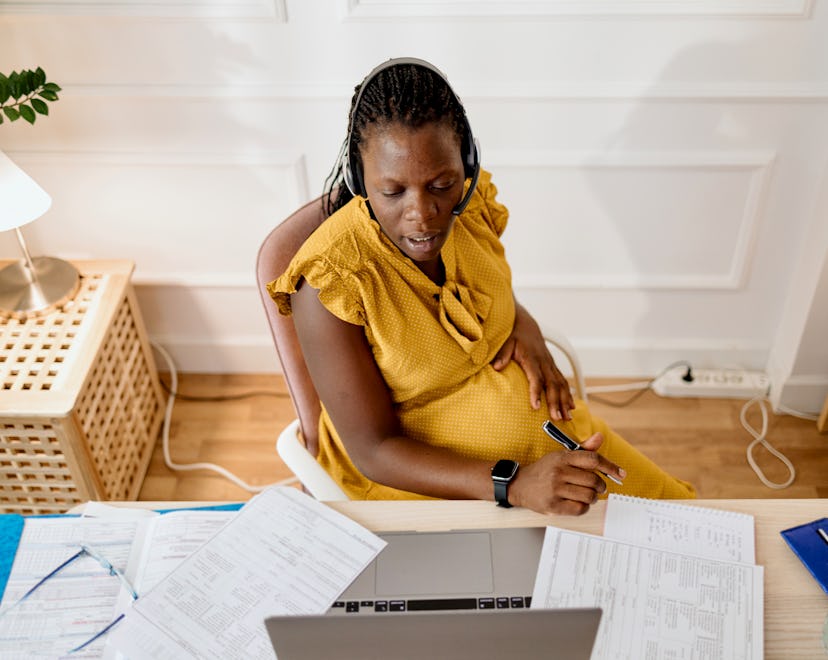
564, 482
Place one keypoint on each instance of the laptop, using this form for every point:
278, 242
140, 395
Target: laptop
442, 594
451, 570
559, 634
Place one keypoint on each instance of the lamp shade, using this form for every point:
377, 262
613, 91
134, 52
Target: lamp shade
31, 286
21, 199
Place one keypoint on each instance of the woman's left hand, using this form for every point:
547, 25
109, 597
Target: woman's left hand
527, 347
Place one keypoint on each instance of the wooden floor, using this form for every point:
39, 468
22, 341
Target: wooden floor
700, 440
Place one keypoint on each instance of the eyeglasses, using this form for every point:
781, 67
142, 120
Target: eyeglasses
103, 561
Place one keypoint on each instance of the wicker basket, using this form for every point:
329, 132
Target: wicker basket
80, 401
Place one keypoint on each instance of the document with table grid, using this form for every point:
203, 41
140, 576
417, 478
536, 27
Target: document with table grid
658, 602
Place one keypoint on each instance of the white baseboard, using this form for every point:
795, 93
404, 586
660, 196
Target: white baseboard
649, 361
256, 354
239, 355
801, 393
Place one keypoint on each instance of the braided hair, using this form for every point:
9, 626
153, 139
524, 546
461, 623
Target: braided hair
405, 93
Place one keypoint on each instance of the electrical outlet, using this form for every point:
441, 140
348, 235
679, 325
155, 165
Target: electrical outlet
713, 383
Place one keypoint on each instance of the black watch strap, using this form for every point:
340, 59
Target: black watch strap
503, 473
501, 492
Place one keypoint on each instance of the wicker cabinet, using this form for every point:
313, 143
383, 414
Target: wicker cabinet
80, 401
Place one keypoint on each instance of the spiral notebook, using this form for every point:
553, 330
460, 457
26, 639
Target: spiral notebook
685, 528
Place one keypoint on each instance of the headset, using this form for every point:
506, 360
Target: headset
470, 148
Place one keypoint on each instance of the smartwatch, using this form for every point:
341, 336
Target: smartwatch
502, 474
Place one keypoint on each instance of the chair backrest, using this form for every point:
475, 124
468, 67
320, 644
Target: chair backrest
275, 253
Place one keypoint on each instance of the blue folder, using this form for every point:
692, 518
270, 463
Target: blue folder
810, 543
11, 527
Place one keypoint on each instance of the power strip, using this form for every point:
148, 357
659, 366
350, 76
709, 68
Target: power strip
713, 383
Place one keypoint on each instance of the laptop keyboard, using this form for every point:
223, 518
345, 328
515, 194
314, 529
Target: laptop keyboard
433, 604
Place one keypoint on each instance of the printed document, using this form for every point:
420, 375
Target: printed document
283, 553
656, 603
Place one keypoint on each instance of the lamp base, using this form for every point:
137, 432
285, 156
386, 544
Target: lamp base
21, 295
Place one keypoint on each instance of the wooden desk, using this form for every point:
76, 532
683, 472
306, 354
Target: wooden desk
795, 606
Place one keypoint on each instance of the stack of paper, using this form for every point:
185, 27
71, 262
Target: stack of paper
674, 581
283, 553
206, 579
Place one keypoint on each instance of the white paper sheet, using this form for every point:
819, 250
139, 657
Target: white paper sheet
283, 553
696, 530
166, 541
656, 603
161, 544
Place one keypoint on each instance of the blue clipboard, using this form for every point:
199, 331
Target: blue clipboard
810, 543
11, 529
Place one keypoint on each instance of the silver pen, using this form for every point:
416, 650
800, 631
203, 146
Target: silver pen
568, 443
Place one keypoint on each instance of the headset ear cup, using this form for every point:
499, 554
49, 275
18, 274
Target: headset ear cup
352, 175
471, 155
473, 174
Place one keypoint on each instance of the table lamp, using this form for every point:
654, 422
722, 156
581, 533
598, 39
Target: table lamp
31, 286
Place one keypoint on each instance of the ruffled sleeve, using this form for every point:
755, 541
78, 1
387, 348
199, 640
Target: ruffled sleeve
326, 262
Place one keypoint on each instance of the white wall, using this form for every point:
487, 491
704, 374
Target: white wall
663, 162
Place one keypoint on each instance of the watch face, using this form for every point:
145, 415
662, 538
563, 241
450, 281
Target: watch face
504, 470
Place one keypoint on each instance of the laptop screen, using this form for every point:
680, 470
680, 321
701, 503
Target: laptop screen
552, 634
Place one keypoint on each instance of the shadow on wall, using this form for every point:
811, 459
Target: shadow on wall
683, 191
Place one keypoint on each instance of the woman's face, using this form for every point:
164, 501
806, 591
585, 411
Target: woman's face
414, 178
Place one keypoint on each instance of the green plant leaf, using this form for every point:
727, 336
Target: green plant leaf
29, 82
26, 93
27, 113
40, 106
14, 84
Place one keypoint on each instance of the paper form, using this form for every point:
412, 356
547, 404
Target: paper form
283, 553
656, 603
162, 543
168, 540
77, 602
696, 530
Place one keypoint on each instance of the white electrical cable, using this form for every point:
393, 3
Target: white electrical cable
760, 438
165, 438
621, 387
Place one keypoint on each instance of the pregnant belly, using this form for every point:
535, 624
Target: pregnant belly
487, 417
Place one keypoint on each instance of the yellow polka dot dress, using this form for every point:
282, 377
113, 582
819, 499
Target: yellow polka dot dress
434, 346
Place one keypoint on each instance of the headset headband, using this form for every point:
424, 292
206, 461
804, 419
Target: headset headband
470, 148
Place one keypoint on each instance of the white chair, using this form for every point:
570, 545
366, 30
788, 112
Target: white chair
297, 457
298, 443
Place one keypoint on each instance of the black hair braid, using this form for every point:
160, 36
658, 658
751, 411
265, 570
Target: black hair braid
408, 94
